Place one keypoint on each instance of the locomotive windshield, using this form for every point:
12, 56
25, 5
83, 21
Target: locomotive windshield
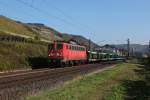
59, 46
56, 46
50, 46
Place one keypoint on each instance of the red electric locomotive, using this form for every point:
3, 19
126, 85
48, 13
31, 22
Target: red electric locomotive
61, 54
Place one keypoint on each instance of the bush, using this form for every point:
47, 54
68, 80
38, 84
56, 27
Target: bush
15, 55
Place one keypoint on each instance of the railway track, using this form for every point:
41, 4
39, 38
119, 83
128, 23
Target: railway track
18, 85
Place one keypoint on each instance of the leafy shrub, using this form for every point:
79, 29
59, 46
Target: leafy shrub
15, 55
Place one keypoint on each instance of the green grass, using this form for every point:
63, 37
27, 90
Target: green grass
15, 55
116, 93
135, 86
93, 87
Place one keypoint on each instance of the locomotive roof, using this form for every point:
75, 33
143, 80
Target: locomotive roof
76, 45
69, 43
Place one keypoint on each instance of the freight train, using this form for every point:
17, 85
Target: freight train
67, 54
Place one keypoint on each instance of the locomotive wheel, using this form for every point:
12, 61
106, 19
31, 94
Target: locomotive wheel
62, 64
67, 64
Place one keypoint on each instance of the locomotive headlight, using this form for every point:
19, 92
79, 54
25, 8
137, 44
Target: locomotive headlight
51, 54
57, 54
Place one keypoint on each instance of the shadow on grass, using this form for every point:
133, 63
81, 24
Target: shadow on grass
139, 89
136, 90
38, 62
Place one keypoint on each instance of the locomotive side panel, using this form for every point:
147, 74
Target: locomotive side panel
64, 53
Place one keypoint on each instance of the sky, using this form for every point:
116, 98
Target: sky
103, 21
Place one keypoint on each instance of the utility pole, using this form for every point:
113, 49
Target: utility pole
132, 52
89, 45
149, 50
128, 47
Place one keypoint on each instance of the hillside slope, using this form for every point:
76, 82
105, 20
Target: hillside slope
52, 34
13, 27
33, 30
45, 32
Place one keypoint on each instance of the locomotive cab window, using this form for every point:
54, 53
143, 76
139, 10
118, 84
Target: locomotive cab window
72, 47
82, 49
59, 46
78, 48
50, 46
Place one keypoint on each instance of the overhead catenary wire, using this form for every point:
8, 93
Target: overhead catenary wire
86, 27
50, 15
13, 10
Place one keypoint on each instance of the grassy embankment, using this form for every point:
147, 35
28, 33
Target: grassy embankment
15, 55
118, 83
136, 86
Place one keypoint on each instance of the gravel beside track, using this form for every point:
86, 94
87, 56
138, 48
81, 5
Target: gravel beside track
16, 86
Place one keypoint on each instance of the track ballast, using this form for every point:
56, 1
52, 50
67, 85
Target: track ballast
18, 85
